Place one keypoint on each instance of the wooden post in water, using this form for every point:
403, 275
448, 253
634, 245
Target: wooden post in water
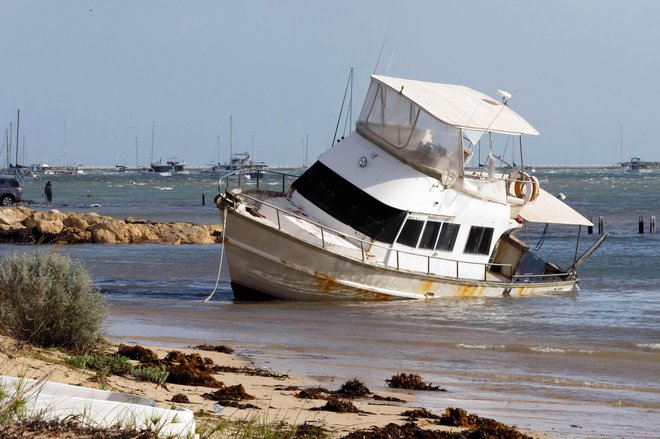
641, 225
203, 200
601, 223
652, 225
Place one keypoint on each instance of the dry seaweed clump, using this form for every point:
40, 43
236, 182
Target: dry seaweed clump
415, 414
138, 353
190, 369
313, 393
338, 406
394, 431
411, 381
479, 427
38, 428
485, 430
214, 348
230, 396
352, 389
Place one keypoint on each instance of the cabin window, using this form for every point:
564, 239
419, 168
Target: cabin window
430, 234
447, 237
410, 233
479, 240
349, 204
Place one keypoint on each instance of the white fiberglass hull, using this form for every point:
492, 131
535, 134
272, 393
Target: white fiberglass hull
266, 260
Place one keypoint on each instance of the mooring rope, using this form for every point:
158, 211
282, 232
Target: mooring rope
222, 254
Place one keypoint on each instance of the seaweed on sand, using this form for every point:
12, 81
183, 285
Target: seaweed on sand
190, 369
338, 406
214, 348
394, 431
229, 393
313, 393
251, 371
479, 427
352, 389
138, 353
415, 414
411, 381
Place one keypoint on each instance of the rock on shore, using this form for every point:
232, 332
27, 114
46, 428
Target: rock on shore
24, 225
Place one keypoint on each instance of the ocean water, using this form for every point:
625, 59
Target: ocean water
584, 365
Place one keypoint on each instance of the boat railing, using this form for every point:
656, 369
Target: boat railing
366, 246
241, 172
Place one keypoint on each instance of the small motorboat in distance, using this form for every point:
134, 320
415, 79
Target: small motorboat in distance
391, 211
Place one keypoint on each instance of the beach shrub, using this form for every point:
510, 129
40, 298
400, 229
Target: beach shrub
49, 300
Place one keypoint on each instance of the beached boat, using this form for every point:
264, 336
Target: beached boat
392, 212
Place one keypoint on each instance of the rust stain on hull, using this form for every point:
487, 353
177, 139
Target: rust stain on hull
468, 290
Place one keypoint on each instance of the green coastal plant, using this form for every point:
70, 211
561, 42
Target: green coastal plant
49, 300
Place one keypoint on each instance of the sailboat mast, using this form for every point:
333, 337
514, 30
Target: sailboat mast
18, 124
231, 140
621, 143
153, 132
11, 134
218, 150
64, 163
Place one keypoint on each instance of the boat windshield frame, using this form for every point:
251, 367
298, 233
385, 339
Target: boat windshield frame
411, 134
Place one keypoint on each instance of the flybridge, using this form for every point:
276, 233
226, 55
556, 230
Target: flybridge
425, 124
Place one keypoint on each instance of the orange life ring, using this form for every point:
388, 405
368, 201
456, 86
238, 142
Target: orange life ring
526, 187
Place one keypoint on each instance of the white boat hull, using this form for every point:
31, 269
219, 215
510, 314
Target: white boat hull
266, 260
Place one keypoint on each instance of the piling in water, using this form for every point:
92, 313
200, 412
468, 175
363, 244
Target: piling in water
641, 225
652, 225
601, 222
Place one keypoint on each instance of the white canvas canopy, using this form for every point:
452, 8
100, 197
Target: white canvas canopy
549, 209
460, 106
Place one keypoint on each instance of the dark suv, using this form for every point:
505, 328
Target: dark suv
10, 190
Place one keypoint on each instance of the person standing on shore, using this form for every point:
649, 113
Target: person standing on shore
48, 192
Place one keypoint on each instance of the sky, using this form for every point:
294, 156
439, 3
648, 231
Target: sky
90, 77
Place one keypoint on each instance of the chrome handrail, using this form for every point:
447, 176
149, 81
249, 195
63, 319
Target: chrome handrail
239, 172
323, 228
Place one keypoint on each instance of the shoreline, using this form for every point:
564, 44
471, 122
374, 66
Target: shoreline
275, 396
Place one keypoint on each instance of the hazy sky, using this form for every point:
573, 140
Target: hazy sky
579, 70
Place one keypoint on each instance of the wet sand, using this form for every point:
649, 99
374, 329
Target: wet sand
307, 339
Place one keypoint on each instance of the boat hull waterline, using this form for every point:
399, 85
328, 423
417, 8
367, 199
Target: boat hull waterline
272, 262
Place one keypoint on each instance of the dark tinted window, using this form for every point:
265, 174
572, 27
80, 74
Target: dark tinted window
349, 204
13, 183
447, 237
430, 234
410, 233
478, 241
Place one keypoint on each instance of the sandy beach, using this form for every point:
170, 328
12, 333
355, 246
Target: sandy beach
274, 400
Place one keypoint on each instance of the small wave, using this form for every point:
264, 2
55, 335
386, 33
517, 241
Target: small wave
648, 346
481, 346
552, 350
164, 188
547, 350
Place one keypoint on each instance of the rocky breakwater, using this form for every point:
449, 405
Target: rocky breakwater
24, 225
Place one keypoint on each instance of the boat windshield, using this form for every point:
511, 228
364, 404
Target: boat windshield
403, 128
